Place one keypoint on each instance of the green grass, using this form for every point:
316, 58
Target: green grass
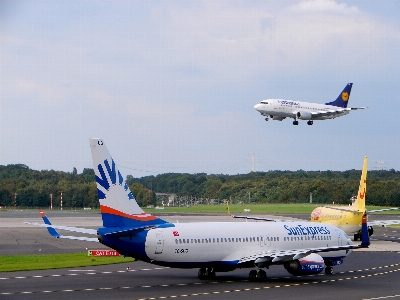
11, 263
303, 208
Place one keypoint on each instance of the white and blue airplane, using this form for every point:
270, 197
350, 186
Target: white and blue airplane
301, 247
280, 109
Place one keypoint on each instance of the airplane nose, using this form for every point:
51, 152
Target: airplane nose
257, 106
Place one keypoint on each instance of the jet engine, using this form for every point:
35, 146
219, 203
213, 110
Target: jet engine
308, 265
304, 115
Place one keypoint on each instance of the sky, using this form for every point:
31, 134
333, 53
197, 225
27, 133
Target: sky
170, 86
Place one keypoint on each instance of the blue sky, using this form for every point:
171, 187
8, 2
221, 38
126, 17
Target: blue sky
170, 85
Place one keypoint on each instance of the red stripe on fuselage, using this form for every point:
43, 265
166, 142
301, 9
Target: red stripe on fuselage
140, 217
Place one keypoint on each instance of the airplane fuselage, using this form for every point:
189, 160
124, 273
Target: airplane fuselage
348, 221
193, 245
278, 109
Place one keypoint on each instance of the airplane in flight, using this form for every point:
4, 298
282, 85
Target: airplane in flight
349, 218
301, 247
280, 109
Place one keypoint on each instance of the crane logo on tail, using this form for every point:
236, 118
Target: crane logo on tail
345, 96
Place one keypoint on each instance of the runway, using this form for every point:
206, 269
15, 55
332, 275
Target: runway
364, 275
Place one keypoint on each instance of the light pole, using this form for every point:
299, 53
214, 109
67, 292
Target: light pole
15, 200
61, 200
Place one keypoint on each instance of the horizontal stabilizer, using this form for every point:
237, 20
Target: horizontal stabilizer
67, 228
384, 209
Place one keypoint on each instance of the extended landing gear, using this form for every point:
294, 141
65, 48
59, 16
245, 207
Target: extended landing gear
206, 273
266, 119
295, 122
310, 122
329, 270
258, 275
358, 235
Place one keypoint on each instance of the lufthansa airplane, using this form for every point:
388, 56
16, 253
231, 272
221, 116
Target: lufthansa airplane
301, 247
279, 109
349, 218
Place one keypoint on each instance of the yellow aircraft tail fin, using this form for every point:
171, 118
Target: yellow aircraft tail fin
359, 204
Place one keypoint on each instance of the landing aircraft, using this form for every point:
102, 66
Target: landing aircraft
349, 218
301, 247
280, 109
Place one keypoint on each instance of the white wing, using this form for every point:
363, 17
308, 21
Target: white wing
383, 223
279, 256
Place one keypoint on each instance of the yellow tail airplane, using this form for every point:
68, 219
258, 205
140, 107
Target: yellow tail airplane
349, 218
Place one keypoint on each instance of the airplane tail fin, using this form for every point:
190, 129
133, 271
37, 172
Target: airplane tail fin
343, 98
117, 205
359, 203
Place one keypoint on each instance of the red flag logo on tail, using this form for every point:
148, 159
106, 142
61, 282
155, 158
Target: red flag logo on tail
175, 233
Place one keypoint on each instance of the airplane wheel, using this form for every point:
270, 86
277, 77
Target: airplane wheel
266, 119
253, 275
210, 273
329, 270
295, 122
370, 230
202, 273
356, 237
261, 275
310, 122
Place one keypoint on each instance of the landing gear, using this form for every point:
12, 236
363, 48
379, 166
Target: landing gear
370, 230
356, 236
266, 119
206, 273
329, 270
310, 122
258, 275
295, 122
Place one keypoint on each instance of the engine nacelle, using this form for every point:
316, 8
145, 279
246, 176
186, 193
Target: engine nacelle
304, 115
308, 265
277, 118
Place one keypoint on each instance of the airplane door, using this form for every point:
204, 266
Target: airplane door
339, 236
159, 243
267, 241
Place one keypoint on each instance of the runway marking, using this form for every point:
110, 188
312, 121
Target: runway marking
208, 293
209, 282
280, 286
383, 297
90, 272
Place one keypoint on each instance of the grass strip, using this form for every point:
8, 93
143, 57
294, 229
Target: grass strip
11, 263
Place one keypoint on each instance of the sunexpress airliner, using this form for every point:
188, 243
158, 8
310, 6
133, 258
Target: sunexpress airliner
301, 247
280, 109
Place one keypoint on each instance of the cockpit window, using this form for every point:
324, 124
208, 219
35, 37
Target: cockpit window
264, 102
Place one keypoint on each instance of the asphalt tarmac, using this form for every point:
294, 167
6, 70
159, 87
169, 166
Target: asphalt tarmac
368, 274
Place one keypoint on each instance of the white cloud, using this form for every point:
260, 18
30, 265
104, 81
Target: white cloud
325, 6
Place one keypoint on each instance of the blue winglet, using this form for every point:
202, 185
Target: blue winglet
46, 221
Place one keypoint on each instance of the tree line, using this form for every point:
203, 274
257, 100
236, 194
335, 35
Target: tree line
33, 188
